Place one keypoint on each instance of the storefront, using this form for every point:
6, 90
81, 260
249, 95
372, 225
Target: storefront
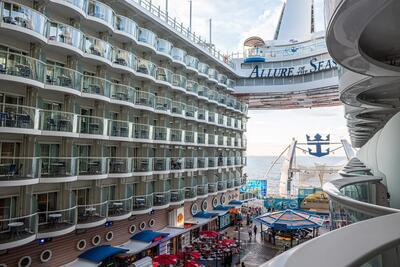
175, 241
224, 216
201, 221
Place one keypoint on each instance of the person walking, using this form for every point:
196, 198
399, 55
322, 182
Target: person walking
243, 264
255, 231
250, 234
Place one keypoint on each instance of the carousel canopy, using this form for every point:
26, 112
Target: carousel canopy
148, 236
100, 253
290, 220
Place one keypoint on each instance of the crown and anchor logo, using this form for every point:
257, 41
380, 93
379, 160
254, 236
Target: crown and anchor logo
318, 142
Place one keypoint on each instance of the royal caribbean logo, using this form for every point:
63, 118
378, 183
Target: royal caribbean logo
318, 142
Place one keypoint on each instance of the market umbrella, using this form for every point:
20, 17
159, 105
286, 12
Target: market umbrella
227, 242
209, 233
193, 254
192, 264
166, 259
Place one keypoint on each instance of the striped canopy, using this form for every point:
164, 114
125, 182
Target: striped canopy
290, 220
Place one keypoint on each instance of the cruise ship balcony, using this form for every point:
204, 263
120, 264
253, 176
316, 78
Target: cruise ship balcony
18, 171
177, 196
119, 209
92, 168
190, 193
142, 204
161, 200
202, 190
212, 188
17, 231
222, 186
56, 223
57, 169
92, 215
120, 167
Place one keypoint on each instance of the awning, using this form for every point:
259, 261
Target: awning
199, 221
148, 236
204, 214
174, 231
221, 207
135, 247
100, 253
235, 203
81, 263
219, 212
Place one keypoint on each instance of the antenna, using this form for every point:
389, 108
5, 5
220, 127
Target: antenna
166, 8
190, 16
210, 31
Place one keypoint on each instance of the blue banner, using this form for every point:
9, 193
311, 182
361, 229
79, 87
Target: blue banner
281, 203
259, 186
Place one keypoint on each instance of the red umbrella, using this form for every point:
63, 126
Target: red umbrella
194, 254
227, 242
192, 264
209, 233
166, 259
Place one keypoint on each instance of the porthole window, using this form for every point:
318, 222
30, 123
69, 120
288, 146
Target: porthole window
81, 245
25, 261
109, 236
132, 228
215, 202
223, 199
194, 209
45, 256
142, 225
204, 205
152, 222
96, 240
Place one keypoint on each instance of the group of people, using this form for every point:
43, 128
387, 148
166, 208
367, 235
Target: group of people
250, 231
176, 164
251, 213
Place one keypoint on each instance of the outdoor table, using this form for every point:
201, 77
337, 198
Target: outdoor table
118, 204
65, 80
14, 226
55, 217
90, 210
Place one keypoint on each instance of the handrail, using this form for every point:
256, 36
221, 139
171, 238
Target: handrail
361, 242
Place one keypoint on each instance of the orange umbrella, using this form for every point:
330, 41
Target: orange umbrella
166, 259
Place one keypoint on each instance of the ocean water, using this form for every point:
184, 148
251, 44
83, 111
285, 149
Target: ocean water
258, 166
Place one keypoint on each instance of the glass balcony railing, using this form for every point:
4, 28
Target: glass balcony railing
213, 74
189, 137
19, 65
127, 26
179, 81
178, 108
57, 121
222, 161
202, 190
119, 165
177, 163
96, 86
122, 92
231, 83
229, 141
201, 114
192, 62
190, 111
203, 68
25, 17
91, 125
190, 163
163, 104
190, 192
222, 79
124, 58
220, 140
142, 164
229, 184
98, 47
144, 98
221, 185
15, 116
192, 86
203, 91
177, 195
212, 162
164, 46
160, 133
212, 95
211, 139
118, 128
176, 135
147, 67
65, 34
201, 138
53, 167
201, 163
101, 11
161, 198
13, 168
178, 54
211, 117
161, 164
63, 77
17, 228
237, 182
92, 166
58, 220
148, 37
212, 187
142, 202
92, 213
164, 75
119, 207
141, 131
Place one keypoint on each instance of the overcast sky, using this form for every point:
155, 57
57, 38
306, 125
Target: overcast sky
268, 132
